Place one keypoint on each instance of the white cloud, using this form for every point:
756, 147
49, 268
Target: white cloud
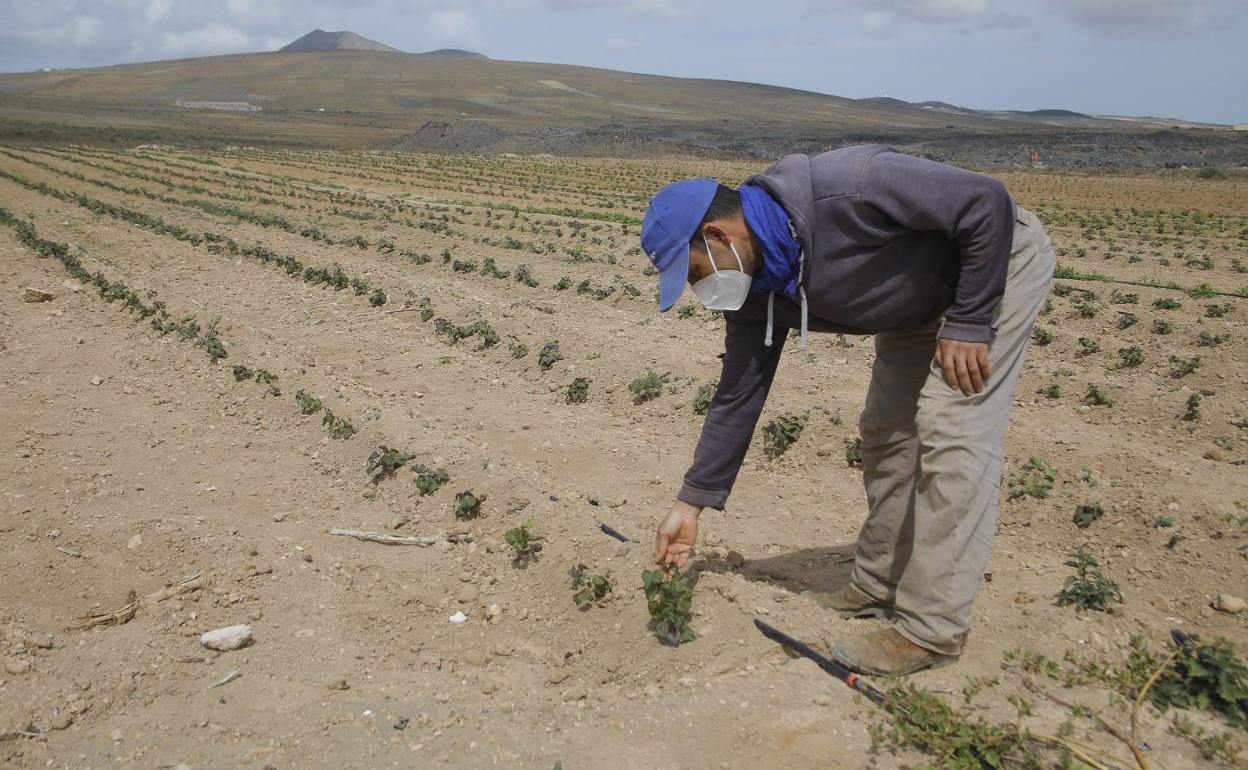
640, 7
878, 23
204, 41
623, 43
1145, 18
157, 10
455, 28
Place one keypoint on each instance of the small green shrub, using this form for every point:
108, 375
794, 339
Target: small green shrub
702, 399
386, 460
648, 387
429, 479
1193, 408
1126, 320
1035, 480
1087, 346
578, 391
1087, 513
468, 505
1165, 303
588, 588
307, 404
548, 355
1097, 397
1132, 356
338, 427
853, 453
1088, 588
670, 603
782, 432
1161, 326
1181, 367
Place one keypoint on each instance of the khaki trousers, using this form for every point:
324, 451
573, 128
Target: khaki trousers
932, 459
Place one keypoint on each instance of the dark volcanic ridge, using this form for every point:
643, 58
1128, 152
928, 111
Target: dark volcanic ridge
320, 40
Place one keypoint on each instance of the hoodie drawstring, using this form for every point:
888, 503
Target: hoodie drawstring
802, 341
771, 298
771, 302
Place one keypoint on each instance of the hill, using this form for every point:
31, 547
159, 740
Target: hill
320, 40
460, 100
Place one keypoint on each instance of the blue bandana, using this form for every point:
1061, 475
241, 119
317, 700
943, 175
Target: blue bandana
781, 251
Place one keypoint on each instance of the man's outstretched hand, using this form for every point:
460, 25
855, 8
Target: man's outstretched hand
678, 531
965, 364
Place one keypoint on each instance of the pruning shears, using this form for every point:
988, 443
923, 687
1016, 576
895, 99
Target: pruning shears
852, 680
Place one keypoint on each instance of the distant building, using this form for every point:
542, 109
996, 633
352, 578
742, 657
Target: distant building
1240, 126
228, 106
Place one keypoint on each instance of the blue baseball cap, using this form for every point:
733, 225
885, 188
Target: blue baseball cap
670, 222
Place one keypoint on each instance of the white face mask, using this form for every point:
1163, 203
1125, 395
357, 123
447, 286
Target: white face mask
723, 289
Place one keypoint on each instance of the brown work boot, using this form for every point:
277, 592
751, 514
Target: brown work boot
851, 602
887, 653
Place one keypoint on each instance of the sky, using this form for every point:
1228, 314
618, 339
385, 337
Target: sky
1186, 59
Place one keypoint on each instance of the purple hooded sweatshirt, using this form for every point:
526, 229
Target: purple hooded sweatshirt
889, 241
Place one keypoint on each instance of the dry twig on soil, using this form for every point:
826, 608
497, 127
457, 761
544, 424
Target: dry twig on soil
389, 538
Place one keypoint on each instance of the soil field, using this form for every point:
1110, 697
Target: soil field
159, 465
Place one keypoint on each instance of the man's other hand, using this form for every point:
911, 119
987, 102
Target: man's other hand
678, 531
965, 364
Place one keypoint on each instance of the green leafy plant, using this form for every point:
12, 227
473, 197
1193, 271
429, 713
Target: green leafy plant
782, 432
1088, 588
1209, 677
1087, 513
1183, 366
1161, 326
563, 283
468, 505
241, 373
1052, 390
519, 350
548, 355
490, 269
524, 546
338, 427
1217, 311
923, 720
1041, 336
1207, 340
588, 588
1193, 408
1163, 522
386, 460
1035, 480
670, 602
578, 391
1126, 320
853, 453
1087, 346
307, 404
702, 399
1097, 397
429, 479
1132, 356
525, 276
647, 387
1123, 298
1165, 303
